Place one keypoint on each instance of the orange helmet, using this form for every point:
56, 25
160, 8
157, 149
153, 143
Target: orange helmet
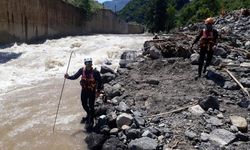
209, 21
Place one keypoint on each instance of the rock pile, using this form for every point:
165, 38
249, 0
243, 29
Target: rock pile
155, 103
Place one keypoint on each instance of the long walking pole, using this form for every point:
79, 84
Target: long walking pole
61, 92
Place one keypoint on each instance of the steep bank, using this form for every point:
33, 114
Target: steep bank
28, 20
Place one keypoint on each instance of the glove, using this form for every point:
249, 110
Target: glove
97, 94
66, 76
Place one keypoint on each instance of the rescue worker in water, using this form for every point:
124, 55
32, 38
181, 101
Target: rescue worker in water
208, 40
91, 83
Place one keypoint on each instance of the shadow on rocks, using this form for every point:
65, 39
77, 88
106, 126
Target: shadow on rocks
216, 78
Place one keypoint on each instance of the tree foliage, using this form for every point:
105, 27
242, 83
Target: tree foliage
135, 11
163, 15
88, 6
157, 15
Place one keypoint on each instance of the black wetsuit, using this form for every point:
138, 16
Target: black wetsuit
204, 50
88, 97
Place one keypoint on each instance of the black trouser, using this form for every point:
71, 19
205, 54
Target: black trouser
203, 53
88, 102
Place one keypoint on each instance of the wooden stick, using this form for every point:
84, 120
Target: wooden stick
241, 86
236, 49
173, 111
58, 106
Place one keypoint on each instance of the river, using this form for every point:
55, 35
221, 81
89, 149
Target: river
31, 78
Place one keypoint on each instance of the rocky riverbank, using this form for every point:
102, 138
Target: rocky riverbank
154, 101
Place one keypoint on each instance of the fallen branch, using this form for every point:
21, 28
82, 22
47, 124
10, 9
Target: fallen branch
173, 111
236, 49
241, 86
175, 145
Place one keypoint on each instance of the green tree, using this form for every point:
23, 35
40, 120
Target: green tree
135, 11
171, 18
230, 5
157, 16
198, 10
88, 6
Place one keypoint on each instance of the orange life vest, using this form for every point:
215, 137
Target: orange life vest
88, 81
207, 39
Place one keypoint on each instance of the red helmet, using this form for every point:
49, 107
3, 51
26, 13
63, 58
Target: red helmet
209, 21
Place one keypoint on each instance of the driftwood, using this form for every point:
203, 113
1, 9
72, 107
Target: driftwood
236, 49
241, 86
173, 111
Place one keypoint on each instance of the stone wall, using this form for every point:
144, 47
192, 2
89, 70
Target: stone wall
28, 20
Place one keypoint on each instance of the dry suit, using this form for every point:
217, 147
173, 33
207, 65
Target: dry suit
91, 82
208, 39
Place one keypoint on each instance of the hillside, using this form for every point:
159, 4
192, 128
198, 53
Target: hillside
164, 15
135, 11
93, 5
116, 5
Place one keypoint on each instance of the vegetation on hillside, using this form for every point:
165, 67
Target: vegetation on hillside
88, 6
116, 5
163, 15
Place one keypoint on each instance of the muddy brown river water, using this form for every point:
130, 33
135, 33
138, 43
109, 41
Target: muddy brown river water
28, 116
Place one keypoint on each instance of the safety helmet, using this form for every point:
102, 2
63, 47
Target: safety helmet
209, 21
86, 60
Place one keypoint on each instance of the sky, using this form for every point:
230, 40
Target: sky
101, 1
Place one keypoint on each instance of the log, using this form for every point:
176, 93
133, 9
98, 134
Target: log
241, 86
173, 111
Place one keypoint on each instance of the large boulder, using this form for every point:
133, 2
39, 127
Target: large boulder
105, 69
127, 57
144, 143
222, 137
123, 107
214, 121
169, 47
107, 77
216, 77
154, 53
114, 144
239, 122
112, 91
174, 49
196, 110
124, 119
95, 141
132, 133
220, 51
210, 102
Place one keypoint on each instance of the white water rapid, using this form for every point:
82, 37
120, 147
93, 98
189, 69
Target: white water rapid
31, 78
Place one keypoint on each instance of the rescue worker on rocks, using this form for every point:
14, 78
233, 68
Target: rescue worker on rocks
91, 83
208, 39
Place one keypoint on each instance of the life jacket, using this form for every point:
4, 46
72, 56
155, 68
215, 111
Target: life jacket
88, 81
207, 39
